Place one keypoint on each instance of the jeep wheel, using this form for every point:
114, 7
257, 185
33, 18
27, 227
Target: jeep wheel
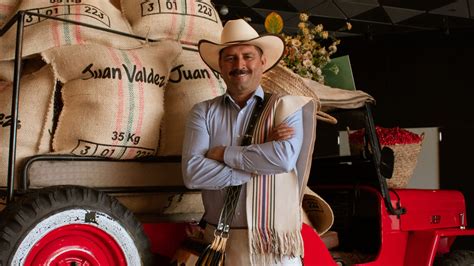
68, 225
456, 258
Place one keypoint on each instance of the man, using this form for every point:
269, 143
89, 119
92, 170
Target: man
267, 222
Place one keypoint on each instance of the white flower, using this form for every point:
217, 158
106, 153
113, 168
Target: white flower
325, 34
296, 42
307, 46
307, 52
304, 17
318, 28
307, 62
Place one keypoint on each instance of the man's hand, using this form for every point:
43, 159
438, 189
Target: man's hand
281, 132
216, 153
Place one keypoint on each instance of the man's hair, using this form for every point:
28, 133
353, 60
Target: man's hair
259, 50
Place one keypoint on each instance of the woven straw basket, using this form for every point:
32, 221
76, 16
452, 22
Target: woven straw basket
281, 80
406, 157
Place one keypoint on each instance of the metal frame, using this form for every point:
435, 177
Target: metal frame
376, 156
19, 18
53, 157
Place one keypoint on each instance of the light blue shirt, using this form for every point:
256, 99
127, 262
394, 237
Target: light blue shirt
221, 122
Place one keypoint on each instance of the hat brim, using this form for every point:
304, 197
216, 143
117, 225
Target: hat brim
271, 45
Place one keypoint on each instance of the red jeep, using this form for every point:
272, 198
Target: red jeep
381, 226
65, 212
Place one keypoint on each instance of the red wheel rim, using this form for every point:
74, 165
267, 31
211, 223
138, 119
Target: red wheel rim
76, 244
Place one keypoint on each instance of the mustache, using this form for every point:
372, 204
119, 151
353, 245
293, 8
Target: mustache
238, 72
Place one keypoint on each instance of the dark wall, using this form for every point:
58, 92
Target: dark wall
424, 79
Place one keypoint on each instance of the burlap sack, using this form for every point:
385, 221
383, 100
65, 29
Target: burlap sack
28, 66
116, 3
6, 70
32, 64
41, 34
35, 118
7, 7
335, 98
191, 81
187, 21
113, 99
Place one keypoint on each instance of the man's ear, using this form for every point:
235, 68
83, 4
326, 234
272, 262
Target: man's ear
264, 60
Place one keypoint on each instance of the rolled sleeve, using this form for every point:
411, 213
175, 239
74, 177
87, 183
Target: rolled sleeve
233, 156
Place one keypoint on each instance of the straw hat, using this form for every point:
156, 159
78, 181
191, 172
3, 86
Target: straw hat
236, 32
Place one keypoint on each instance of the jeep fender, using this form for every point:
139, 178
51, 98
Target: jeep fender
424, 246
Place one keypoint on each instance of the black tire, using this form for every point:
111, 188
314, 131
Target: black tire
456, 258
63, 206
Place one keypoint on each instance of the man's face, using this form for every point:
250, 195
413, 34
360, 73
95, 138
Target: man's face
241, 68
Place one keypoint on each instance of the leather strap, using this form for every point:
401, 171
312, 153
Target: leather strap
233, 192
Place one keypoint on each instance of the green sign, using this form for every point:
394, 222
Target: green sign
338, 73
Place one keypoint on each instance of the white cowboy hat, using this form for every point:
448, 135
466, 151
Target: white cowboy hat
236, 32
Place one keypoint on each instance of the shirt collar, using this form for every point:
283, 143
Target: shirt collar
257, 94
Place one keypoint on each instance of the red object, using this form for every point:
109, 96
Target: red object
433, 220
315, 252
165, 238
415, 238
388, 136
78, 243
431, 209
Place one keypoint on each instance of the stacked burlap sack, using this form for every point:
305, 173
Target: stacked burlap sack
186, 21
100, 94
92, 93
36, 120
191, 80
40, 34
37, 108
113, 99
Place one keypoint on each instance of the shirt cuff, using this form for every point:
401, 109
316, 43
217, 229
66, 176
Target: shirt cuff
233, 157
239, 177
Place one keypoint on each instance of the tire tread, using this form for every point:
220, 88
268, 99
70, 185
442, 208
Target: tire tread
19, 217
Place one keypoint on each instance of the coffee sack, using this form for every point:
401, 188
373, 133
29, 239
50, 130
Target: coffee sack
112, 98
